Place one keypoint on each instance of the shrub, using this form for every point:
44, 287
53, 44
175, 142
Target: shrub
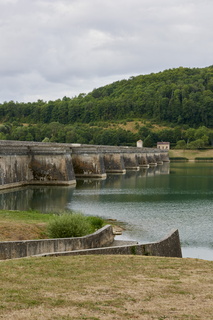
69, 225
178, 159
204, 158
96, 222
72, 224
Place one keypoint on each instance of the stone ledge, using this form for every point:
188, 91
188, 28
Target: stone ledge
167, 247
19, 249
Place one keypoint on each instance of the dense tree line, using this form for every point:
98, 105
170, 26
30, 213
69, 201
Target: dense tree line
181, 99
179, 96
57, 132
103, 133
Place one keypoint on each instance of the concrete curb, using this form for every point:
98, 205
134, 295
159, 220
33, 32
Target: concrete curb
167, 247
100, 242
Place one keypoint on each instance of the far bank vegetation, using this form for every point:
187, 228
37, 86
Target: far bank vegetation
175, 105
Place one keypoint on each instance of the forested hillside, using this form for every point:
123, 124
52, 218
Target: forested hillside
181, 98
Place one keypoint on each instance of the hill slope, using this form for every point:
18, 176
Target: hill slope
166, 106
180, 96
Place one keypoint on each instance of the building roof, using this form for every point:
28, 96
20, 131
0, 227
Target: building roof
163, 142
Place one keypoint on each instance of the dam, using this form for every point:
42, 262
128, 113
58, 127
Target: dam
30, 163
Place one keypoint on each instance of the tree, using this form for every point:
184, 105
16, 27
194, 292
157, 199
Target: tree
205, 139
190, 134
149, 142
200, 132
2, 136
144, 132
46, 139
211, 137
197, 144
181, 144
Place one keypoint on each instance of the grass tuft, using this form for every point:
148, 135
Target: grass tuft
73, 225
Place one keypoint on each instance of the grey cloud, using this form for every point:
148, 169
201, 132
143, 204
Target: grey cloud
51, 48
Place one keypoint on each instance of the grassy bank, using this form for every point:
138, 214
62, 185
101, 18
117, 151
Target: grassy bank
23, 225
191, 154
106, 288
29, 225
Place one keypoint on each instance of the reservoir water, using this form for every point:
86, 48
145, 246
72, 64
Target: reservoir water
150, 203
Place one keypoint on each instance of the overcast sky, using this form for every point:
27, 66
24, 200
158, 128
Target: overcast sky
55, 48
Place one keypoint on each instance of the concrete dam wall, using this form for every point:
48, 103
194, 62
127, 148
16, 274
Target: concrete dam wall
25, 163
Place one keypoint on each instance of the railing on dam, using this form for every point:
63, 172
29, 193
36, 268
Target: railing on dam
24, 163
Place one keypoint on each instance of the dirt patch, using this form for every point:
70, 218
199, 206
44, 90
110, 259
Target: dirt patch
12, 231
134, 125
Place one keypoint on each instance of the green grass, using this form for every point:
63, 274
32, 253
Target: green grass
191, 154
25, 216
23, 225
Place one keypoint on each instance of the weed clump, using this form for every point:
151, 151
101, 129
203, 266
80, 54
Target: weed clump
73, 224
96, 222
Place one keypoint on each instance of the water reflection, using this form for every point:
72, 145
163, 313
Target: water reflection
55, 198
44, 198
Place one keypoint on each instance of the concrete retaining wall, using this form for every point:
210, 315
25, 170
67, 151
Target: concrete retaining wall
19, 249
100, 242
167, 247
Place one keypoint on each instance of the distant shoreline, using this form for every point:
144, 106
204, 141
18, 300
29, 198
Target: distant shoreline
204, 155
